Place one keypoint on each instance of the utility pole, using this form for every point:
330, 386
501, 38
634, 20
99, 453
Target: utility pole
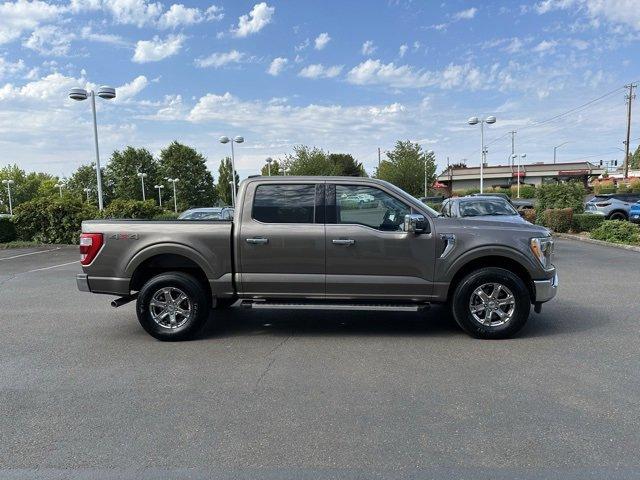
630, 96
513, 145
378, 157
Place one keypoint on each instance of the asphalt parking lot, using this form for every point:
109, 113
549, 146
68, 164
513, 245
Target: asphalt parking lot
85, 393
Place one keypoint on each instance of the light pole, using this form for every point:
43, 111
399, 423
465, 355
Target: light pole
159, 187
237, 139
523, 156
8, 183
107, 93
142, 176
269, 160
231, 184
59, 185
474, 121
175, 200
556, 148
87, 191
426, 189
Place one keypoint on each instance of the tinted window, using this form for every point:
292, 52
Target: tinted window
369, 206
475, 208
284, 203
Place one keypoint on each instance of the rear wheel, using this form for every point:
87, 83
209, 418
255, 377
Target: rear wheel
491, 303
618, 216
172, 306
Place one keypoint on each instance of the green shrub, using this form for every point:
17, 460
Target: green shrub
604, 186
635, 185
586, 222
558, 219
529, 214
131, 209
617, 231
7, 230
560, 195
166, 216
52, 219
526, 191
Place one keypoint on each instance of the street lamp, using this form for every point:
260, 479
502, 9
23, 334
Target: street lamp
107, 93
237, 139
8, 183
556, 148
474, 121
175, 200
142, 176
269, 160
159, 187
87, 191
231, 184
59, 185
429, 154
523, 156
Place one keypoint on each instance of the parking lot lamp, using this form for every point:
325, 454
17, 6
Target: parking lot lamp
238, 139
475, 121
175, 200
555, 149
59, 186
142, 176
8, 184
521, 157
159, 188
107, 93
269, 160
87, 190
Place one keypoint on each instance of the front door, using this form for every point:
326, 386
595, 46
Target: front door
369, 255
282, 241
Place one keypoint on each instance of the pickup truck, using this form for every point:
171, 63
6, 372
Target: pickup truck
300, 243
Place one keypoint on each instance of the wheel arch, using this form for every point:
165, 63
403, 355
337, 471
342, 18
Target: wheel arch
616, 211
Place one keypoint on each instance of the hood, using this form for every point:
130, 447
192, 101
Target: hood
498, 218
514, 224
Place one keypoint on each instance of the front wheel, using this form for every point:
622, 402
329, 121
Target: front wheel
491, 303
172, 306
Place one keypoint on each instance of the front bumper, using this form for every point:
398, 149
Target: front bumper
82, 281
634, 217
546, 289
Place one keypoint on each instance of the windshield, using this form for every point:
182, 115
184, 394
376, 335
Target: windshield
476, 208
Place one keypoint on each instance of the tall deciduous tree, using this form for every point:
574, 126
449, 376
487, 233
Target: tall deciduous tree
122, 173
195, 187
315, 161
405, 167
84, 177
224, 181
347, 165
634, 162
26, 186
275, 169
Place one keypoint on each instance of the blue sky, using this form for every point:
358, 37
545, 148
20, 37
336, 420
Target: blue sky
346, 76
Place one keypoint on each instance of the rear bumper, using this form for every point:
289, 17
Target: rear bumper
107, 285
82, 280
546, 289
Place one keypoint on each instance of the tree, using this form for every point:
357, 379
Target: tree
315, 161
26, 186
83, 177
121, 175
195, 187
224, 181
634, 162
347, 165
405, 167
275, 169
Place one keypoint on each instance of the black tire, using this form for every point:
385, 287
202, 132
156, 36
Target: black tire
464, 292
619, 216
185, 326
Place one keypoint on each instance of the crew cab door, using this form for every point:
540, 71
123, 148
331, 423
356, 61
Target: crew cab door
281, 242
369, 255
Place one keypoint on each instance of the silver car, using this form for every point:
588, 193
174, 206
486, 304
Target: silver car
613, 206
207, 213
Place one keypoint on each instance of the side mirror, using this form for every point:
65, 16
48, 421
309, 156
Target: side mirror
415, 223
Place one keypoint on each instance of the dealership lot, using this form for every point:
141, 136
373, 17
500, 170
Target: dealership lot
319, 394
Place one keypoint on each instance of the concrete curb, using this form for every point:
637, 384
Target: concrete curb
570, 236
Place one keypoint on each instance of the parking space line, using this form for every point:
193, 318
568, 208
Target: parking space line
30, 253
53, 266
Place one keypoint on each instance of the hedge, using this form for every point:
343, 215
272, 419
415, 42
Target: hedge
166, 216
560, 195
586, 222
529, 214
558, 219
526, 191
617, 231
131, 209
7, 230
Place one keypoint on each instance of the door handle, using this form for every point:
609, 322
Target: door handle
343, 241
257, 241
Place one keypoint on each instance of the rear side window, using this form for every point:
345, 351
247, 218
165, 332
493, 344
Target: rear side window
284, 203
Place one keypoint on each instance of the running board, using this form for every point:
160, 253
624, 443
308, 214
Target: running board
379, 307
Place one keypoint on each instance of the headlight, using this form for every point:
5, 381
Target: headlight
542, 249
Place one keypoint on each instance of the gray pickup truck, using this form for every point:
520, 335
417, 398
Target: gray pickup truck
321, 243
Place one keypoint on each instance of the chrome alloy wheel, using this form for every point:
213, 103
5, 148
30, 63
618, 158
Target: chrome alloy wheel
170, 307
492, 304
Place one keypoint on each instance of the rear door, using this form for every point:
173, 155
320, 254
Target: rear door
282, 240
369, 255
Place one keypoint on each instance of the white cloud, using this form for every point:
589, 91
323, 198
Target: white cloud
514, 46
24, 16
368, 48
321, 41
403, 50
625, 12
220, 59
88, 34
214, 13
179, 15
320, 71
49, 40
467, 14
302, 45
545, 46
53, 86
277, 65
129, 90
10, 68
259, 17
133, 12
157, 49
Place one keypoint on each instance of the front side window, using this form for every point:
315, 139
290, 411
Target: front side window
284, 203
371, 207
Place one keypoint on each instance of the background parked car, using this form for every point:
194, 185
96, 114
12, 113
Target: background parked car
634, 212
481, 208
517, 203
207, 213
614, 206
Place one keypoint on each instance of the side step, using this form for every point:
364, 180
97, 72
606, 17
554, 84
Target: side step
379, 307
